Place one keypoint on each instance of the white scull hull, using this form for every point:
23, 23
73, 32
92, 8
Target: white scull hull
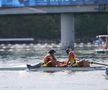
53, 68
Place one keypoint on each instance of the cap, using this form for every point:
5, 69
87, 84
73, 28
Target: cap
52, 51
68, 50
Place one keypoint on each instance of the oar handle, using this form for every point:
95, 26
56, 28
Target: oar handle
45, 65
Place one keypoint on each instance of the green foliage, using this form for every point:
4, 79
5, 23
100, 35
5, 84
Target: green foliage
37, 26
89, 25
47, 27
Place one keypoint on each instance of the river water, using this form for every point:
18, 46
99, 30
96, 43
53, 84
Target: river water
20, 55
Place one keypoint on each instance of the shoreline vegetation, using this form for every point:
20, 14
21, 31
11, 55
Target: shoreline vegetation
46, 28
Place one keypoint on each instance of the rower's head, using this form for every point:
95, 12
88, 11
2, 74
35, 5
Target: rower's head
52, 51
68, 50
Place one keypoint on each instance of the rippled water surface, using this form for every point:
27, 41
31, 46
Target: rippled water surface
20, 55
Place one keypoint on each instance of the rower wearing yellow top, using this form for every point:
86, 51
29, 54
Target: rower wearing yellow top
73, 61
71, 58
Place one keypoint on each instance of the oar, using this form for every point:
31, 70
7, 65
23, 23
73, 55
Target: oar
99, 63
45, 65
68, 67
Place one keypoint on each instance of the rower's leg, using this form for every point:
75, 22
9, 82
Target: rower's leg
83, 63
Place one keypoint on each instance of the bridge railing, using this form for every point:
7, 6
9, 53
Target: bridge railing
21, 3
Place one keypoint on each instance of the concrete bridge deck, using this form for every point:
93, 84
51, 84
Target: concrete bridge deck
55, 9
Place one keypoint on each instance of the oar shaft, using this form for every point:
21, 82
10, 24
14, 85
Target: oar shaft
100, 63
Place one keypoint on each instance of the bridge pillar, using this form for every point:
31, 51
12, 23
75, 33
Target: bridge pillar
67, 30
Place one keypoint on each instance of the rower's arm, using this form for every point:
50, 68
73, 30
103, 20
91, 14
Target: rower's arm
69, 57
54, 58
46, 64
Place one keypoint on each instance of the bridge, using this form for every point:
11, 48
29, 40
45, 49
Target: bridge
66, 8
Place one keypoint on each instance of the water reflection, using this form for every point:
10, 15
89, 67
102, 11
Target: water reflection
105, 76
91, 80
21, 54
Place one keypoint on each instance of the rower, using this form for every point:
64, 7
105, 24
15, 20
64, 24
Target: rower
71, 57
73, 61
50, 60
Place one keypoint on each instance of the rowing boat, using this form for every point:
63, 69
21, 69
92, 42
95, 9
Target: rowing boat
52, 68
34, 68
39, 67
64, 68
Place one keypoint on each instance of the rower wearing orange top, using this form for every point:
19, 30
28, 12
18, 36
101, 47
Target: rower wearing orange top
51, 61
